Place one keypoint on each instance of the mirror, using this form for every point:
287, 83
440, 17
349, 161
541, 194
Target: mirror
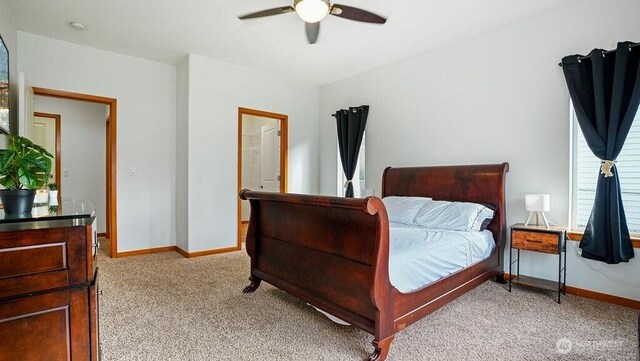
46, 133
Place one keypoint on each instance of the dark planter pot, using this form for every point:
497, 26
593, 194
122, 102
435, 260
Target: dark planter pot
17, 201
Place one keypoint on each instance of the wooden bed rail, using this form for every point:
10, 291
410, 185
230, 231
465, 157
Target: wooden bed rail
371, 205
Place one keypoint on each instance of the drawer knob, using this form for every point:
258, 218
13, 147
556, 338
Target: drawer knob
534, 241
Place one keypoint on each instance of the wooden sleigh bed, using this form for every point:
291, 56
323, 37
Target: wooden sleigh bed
333, 253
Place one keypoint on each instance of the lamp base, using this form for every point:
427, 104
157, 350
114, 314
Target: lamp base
531, 213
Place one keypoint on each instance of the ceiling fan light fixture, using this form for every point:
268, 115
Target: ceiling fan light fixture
312, 11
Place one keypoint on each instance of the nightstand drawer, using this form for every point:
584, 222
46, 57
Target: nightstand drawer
535, 241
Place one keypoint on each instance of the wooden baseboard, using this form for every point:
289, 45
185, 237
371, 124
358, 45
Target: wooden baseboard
245, 222
146, 251
577, 236
102, 234
207, 252
602, 297
184, 253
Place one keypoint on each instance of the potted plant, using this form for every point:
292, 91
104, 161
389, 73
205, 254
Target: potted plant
24, 167
53, 193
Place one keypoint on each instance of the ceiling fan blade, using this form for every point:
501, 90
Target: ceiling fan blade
351, 13
270, 12
313, 29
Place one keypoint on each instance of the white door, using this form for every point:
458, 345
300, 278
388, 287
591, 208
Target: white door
44, 134
270, 152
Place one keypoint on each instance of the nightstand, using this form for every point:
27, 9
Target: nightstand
539, 239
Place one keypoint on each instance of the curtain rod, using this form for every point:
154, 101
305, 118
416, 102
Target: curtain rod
359, 108
606, 52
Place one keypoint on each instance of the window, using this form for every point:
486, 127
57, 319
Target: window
358, 177
586, 169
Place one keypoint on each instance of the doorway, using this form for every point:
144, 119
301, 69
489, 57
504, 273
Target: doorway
262, 157
111, 195
46, 133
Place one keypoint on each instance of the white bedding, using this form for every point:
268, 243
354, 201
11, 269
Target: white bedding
419, 256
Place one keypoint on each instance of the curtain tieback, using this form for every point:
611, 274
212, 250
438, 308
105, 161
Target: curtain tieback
346, 184
605, 167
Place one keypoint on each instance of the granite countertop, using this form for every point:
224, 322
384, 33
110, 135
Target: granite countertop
74, 212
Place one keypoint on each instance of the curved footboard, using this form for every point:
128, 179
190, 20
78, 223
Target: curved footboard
330, 252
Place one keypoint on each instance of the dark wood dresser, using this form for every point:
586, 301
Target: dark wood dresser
48, 288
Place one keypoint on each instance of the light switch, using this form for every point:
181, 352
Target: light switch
65, 172
133, 171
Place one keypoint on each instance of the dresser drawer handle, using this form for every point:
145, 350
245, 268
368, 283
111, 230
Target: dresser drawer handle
534, 241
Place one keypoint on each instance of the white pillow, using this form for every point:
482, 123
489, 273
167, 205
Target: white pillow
403, 209
456, 216
484, 218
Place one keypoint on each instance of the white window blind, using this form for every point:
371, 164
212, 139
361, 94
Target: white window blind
587, 169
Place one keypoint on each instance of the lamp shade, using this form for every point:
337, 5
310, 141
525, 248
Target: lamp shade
537, 202
312, 11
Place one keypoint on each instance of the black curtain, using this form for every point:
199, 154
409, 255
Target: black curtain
351, 123
605, 91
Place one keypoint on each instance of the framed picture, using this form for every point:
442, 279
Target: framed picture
4, 88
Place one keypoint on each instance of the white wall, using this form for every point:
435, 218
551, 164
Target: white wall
497, 97
146, 125
25, 107
216, 90
83, 150
182, 154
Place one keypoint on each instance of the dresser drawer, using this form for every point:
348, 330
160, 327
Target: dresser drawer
40, 260
48, 326
535, 241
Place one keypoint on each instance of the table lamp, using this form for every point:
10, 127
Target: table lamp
538, 204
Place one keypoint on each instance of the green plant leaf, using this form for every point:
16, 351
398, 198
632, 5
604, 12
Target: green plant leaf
6, 168
29, 145
27, 178
24, 164
41, 150
34, 170
6, 157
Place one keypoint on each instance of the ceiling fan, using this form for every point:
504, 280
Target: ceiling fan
312, 11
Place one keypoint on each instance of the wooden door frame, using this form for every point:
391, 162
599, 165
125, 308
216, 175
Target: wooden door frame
284, 156
112, 103
58, 151
107, 233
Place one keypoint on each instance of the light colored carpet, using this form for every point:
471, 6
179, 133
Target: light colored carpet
166, 307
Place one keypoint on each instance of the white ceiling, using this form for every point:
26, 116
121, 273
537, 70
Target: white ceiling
166, 30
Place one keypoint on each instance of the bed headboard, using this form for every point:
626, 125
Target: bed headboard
463, 183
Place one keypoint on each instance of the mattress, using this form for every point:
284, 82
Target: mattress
419, 256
